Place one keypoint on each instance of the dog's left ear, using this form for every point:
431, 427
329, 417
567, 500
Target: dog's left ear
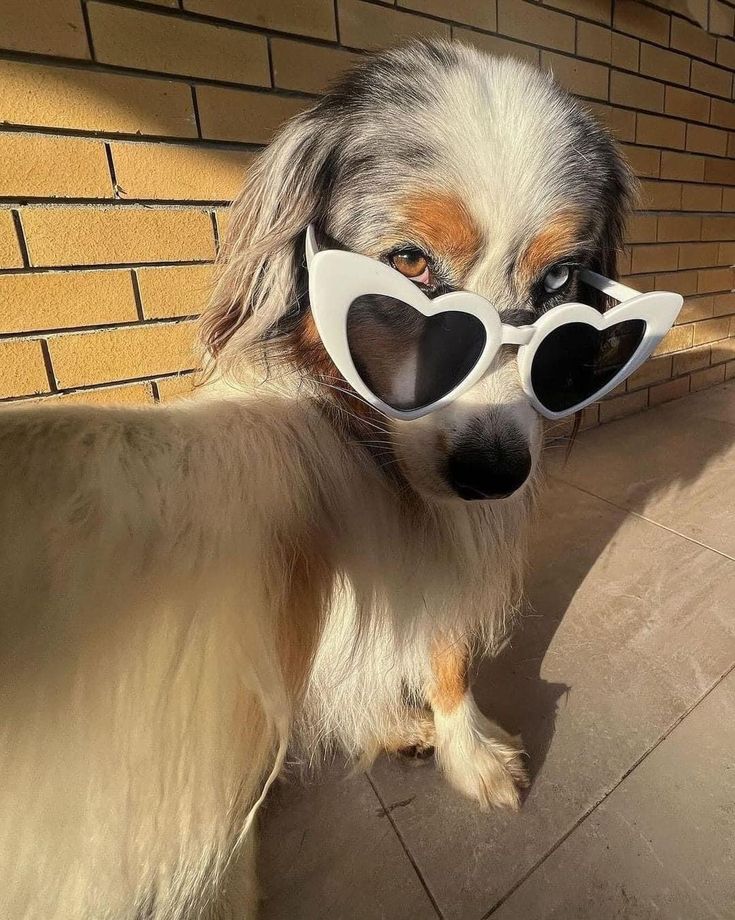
287, 188
618, 197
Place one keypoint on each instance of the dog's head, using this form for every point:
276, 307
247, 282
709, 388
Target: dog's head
460, 170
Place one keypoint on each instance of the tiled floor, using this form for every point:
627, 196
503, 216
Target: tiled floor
619, 681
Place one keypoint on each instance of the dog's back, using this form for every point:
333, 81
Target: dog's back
143, 572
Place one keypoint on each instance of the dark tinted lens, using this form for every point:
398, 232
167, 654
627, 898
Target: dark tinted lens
575, 361
409, 360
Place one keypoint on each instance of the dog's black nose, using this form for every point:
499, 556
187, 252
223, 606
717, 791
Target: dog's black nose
478, 471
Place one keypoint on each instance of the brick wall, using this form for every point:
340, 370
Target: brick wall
125, 128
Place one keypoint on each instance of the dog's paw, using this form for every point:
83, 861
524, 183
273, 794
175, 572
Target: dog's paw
484, 763
415, 737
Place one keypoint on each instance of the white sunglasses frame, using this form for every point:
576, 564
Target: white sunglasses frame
337, 278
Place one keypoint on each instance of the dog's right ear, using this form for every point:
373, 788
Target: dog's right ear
260, 257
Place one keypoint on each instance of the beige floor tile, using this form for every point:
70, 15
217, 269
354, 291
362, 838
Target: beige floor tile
328, 852
632, 625
662, 845
674, 465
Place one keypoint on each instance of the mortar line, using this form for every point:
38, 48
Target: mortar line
642, 517
419, 874
606, 794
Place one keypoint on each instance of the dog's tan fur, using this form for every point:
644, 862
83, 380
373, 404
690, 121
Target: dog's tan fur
186, 590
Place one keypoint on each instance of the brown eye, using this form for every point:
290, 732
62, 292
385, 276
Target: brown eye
410, 262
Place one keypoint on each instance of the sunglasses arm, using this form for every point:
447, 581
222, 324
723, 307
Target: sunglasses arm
617, 291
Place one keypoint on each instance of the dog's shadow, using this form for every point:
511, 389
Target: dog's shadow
567, 542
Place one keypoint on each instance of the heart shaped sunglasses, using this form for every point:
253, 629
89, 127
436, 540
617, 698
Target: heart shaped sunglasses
409, 355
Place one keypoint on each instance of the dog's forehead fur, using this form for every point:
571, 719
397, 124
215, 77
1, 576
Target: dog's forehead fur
485, 161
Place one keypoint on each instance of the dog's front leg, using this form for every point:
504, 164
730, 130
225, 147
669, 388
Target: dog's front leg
477, 756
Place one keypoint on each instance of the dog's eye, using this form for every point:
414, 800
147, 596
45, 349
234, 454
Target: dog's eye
412, 263
556, 278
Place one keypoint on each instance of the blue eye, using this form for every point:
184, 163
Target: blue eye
556, 278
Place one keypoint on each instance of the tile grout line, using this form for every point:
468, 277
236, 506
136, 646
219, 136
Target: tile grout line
642, 517
675, 724
419, 874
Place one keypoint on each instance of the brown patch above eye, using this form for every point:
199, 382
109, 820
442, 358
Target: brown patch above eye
442, 221
556, 240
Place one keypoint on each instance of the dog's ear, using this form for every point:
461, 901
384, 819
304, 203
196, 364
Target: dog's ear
260, 256
619, 195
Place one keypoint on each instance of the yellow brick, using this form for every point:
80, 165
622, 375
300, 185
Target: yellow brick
711, 79
714, 280
470, 12
711, 330
654, 130
726, 53
40, 165
176, 290
577, 76
625, 51
672, 389
706, 140
653, 371
622, 124
700, 198
175, 387
222, 216
591, 9
363, 25
100, 236
129, 394
636, 92
171, 44
695, 308
43, 28
684, 283
693, 359
642, 228
708, 378
718, 228
64, 97
723, 113
724, 304
664, 65
55, 300
676, 339
685, 104
697, 255
594, 42
314, 18
10, 255
684, 166
22, 368
654, 258
623, 405
673, 227
308, 68
493, 44
646, 161
720, 171
168, 171
110, 355
726, 253
723, 351
660, 196
692, 39
532, 23
239, 115
636, 19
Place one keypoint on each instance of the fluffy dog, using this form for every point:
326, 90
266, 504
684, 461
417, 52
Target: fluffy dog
187, 590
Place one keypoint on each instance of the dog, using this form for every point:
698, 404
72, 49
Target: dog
190, 590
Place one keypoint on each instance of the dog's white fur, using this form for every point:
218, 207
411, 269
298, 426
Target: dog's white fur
186, 590
147, 566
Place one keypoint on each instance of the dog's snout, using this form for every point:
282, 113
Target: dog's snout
490, 469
